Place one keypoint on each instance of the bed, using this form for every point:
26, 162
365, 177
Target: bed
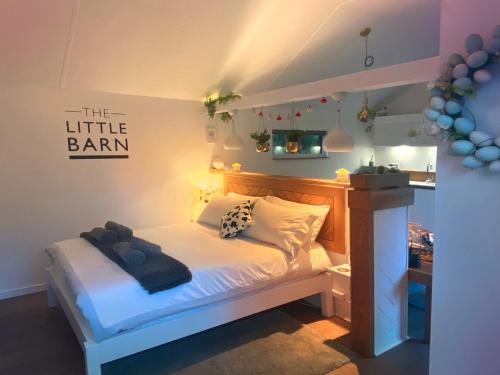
235, 278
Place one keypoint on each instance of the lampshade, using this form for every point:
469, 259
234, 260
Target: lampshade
233, 142
337, 139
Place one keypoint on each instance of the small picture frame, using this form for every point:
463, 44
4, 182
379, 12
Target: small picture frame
210, 134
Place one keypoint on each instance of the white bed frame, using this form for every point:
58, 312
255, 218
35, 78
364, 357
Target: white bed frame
182, 324
186, 323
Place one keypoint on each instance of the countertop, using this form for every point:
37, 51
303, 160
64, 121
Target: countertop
423, 185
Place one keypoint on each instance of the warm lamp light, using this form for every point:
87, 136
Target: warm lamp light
337, 139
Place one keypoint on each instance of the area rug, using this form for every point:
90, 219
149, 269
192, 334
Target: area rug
271, 342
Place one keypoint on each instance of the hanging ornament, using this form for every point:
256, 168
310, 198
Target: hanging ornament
270, 116
364, 115
298, 114
261, 113
309, 108
279, 118
323, 100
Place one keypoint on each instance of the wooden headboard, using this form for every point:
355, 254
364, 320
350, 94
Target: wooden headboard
302, 190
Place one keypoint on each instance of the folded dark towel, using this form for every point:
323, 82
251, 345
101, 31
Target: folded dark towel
122, 231
103, 235
129, 255
145, 246
158, 272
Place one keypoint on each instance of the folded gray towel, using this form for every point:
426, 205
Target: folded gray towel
103, 235
129, 255
145, 246
121, 230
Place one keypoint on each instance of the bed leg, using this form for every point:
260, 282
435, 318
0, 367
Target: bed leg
51, 296
327, 303
92, 365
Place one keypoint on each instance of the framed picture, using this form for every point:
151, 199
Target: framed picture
210, 134
310, 145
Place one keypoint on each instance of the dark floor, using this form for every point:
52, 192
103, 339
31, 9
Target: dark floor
37, 340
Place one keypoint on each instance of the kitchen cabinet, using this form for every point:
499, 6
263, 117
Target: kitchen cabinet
393, 131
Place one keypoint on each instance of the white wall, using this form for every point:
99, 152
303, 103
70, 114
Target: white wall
46, 197
466, 304
323, 118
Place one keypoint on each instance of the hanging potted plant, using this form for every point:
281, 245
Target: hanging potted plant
261, 139
292, 145
211, 103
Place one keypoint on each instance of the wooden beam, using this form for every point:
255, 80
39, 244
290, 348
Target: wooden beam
389, 76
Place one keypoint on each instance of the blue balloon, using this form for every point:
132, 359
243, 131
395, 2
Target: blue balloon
445, 121
489, 153
430, 114
471, 162
462, 147
436, 91
496, 32
463, 126
437, 103
459, 71
492, 45
473, 43
463, 83
477, 59
455, 59
453, 107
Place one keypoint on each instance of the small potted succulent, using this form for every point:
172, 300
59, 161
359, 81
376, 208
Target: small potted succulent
261, 139
294, 137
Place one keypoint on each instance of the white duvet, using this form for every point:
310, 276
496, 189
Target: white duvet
112, 301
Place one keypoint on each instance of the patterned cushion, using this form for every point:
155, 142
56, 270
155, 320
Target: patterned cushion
236, 220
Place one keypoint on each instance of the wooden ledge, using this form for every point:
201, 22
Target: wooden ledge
372, 200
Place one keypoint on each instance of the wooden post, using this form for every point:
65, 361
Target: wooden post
379, 256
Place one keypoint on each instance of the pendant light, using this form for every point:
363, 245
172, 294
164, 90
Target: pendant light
337, 139
233, 142
364, 113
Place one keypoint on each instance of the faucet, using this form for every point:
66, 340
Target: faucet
429, 179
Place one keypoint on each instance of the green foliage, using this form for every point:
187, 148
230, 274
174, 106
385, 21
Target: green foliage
413, 133
261, 137
211, 105
225, 116
294, 135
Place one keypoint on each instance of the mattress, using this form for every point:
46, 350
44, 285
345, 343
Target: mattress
112, 301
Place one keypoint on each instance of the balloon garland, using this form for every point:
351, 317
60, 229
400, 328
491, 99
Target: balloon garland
449, 118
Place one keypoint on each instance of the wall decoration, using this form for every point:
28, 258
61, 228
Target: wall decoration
210, 134
308, 144
450, 120
96, 133
211, 104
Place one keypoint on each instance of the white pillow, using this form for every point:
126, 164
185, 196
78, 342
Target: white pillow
286, 228
243, 197
319, 211
217, 207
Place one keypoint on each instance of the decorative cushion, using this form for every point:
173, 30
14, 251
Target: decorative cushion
320, 211
218, 206
236, 220
288, 229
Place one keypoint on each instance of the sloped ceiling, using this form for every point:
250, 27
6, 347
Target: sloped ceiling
188, 48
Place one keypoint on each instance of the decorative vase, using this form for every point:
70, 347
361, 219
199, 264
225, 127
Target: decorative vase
262, 147
292, 147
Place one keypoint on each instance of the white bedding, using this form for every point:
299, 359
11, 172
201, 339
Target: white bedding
112, 301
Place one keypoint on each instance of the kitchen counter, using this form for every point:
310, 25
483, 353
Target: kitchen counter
423, 185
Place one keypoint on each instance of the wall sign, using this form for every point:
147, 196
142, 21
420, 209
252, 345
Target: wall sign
96, 133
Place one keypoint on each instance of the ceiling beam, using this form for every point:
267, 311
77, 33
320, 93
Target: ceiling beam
417, 71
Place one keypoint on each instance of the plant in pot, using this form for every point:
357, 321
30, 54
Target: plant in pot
261, 139
293, 144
